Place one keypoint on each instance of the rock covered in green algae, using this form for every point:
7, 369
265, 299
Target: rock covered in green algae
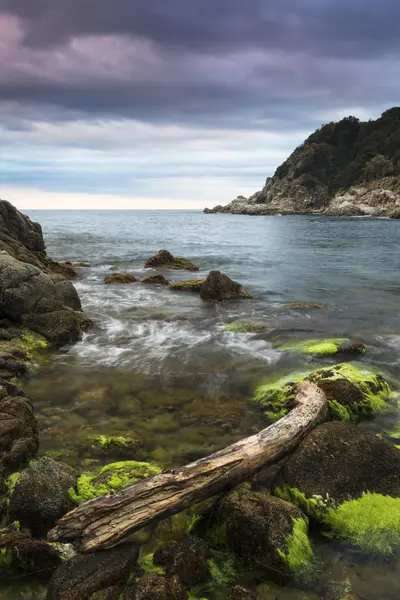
326, 347
245, 327
119, 278
188, 285
165, 260
112, 477
262, 530
110, 445
218, 287
158, 278
352, 393
349, 480
40, 496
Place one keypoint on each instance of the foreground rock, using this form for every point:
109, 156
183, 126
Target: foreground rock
218, 287
165, 260
29, 296
40, 496
348, 480
264, 531
84, 576
20, 237
188, 560
20, 553
343, 169
19, 440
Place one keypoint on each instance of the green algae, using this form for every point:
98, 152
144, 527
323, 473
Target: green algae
146, 564
353, 393
299, 556
32, 342
244, 327
188, 285
112, 477
372, 523
106, 441
11, 482
314, 507
321, 347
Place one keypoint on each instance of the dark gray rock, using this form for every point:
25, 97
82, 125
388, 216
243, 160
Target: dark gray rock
18, 433
86, 575
152, 586
241, 593
21, 553
188, 560
218, 287
342, 461
21, 237
40, 496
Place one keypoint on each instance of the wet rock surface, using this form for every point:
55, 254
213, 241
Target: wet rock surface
18, 433
165, 260
188, 560
85, 575
21, 553
341, 461
153, 586
218, 287
40, 496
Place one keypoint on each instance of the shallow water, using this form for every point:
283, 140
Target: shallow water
158, 365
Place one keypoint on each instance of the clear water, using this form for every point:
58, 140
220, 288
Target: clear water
158, 365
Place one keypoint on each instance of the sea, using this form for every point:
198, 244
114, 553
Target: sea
162, 367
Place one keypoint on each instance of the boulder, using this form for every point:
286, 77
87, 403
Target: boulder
165, 260
241, 593
20, 237
188, 560
119, 278
158, 278
153, 586
28, 296
18, 433
265, 531
218, 287
66, 292
20, 553
341, 461
83, 576
353, 394
188, 285
40, 496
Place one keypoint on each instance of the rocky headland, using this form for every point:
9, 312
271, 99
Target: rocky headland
349, 168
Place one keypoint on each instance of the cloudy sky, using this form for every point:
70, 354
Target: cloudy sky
179, 103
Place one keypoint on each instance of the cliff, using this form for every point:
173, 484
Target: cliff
344, 168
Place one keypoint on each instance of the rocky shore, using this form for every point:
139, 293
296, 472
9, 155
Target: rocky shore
339, 483
343, 169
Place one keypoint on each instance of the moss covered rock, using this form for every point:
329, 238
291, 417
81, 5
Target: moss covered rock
264, 531
40, 496
158, 278
119, 278
326, 347
219, 287
165, 260
352, 393
245, 327
19, 553
113, 447
188, 285
335, 463
112, 477
303, 305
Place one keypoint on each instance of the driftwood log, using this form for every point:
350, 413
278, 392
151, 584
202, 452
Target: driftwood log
104, 521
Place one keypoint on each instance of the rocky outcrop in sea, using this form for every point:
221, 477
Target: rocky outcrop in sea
347, 168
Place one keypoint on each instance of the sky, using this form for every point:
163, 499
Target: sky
161, 104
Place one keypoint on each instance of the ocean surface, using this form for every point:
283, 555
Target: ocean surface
159, 365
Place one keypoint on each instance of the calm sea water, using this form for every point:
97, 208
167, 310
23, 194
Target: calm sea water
159, 366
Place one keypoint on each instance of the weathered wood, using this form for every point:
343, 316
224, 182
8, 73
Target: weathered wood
102, 522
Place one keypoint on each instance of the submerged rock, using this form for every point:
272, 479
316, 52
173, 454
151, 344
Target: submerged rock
352, 394
19, 440
303, 305
326, 347
188, 285
218, 287
164, 259
40, 496
84, 576
119, 278
111, 477
245, 327
19, 553
188, 560
158, 278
